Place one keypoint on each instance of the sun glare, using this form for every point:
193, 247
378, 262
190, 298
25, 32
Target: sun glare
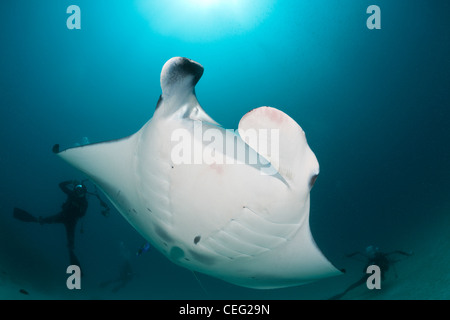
204, 20
205, 3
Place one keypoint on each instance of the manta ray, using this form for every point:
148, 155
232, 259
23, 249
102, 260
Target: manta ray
213, 200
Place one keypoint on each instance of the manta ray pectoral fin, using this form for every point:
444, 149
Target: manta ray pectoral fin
107, 164
282, 142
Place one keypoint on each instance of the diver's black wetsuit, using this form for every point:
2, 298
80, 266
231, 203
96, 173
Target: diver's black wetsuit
73, 209
125, 275
379, 259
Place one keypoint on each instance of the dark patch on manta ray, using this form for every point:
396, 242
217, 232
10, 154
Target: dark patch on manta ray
189, 67
313, 180
176, 253
158, 104
197, 239
182, 68
149, 210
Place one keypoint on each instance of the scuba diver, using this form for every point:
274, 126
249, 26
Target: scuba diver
144, 248
374, 257
73, 209
126, 273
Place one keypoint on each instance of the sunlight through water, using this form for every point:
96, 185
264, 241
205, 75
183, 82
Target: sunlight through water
204, 20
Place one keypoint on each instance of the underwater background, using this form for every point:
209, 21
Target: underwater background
374, 103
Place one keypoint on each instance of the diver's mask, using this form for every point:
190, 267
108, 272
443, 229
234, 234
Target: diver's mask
80, 190
371, 252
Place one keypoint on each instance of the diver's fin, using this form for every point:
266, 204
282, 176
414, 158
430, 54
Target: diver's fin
22, 215
74, 260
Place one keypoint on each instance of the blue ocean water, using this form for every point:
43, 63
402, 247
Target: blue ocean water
374, 103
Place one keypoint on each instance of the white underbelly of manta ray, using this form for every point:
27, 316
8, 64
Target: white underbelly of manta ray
230, 205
